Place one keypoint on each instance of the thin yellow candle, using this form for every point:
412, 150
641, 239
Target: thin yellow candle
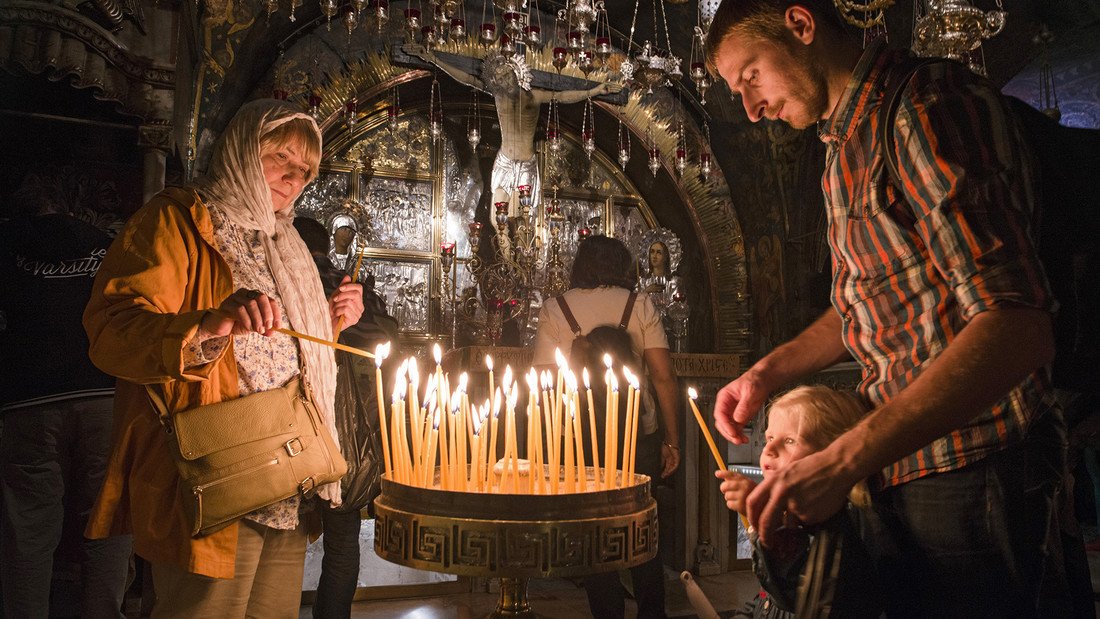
628, 438
513, 397
414, 384
608, 419
491, 454
475, 452
395, 435
538, 470
422, 423
592, 430
615, 427
548, 420
489, 364
632, 429
433, 437
532, 425
486, 421
380, 353
578, 447
463, 431
570, 459
444, 443
692, 395
454, 432
424, 472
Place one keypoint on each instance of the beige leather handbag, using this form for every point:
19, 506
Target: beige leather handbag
240, 455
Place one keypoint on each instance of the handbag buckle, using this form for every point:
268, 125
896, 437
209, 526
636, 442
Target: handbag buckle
294, 446
306, 485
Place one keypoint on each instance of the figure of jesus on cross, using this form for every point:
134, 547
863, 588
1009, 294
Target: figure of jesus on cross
517, 106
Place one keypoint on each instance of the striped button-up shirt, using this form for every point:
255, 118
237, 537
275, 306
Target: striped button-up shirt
911, 270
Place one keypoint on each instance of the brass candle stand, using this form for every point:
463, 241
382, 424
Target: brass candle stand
516, 537
521, 268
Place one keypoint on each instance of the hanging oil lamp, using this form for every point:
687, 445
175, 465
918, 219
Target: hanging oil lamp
351, 114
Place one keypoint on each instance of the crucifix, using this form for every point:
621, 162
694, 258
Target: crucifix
518, 95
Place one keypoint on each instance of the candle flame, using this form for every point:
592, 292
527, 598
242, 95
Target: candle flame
496, 403
437, 352
607, 360
614, 382
692, 394
435, 420
634, 382
584, 375
627, 374
507, 376
532, 380
570, 381
429, 391
399, 391
381, 351
559, 358
462, 381
476, 418
414, 372
489, 362
456, 402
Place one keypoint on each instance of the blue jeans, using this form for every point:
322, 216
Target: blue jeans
339, 564
52, 462
971, 542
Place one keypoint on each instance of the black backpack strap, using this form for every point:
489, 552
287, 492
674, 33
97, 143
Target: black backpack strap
891, 100
569, 316
629, 310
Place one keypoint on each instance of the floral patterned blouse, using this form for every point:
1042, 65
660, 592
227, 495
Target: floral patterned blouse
263, 363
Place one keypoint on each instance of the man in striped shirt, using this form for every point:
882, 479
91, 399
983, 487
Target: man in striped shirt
938, 294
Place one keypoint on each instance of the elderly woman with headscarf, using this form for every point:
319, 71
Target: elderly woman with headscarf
188, 299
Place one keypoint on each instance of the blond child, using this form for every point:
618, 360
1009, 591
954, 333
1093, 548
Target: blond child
803, 421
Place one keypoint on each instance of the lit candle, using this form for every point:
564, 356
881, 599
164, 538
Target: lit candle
493, 432
460, 414
692, 395
533, 422
432, 438
444, 443
511, 460
592, 429
454, 433
615, 426
611, 414
628, 438
489, 364
380, 353
632, 431
414, 384
423, 420
475, 451
574, 412
570, 459
548, 420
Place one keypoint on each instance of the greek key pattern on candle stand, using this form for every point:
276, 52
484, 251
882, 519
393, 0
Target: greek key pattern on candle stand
515, 548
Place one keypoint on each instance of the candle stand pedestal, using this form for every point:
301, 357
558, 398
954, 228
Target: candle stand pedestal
516, 537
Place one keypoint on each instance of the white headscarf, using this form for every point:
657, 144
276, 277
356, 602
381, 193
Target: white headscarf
236, 183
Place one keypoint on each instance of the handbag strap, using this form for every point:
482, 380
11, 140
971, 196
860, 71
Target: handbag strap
160, 406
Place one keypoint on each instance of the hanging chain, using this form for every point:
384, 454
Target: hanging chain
664, 18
